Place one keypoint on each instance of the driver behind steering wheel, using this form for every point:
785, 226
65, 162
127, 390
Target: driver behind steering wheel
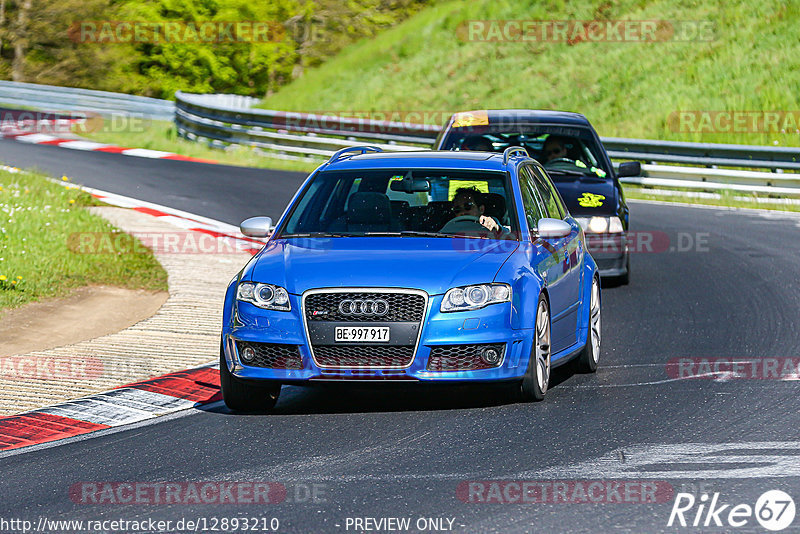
555, 147
468, 202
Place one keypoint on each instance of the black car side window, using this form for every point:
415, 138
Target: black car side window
532, 205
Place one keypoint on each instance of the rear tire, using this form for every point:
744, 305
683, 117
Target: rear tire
587, 361
537, 377
241, 396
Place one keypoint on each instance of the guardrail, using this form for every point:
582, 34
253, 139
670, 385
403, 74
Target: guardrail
307, 136
66, 99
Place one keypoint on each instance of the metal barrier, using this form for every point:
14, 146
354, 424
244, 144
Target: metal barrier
70, 99
308, 136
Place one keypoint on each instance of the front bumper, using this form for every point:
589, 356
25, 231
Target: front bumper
610, 253
490, 325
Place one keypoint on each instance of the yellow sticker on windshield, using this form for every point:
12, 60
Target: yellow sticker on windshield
455, 185
471, 118
591, 200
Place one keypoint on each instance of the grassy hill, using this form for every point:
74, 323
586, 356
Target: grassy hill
626, 89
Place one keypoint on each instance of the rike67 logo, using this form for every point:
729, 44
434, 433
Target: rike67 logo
774, 510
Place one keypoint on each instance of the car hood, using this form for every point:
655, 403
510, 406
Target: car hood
578, 195
431, 264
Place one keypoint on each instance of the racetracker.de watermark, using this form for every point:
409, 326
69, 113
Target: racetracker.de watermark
734, 121
28, 122
196, 242
49, 368
208, 492
564, 491
176, 31
586, 31
642, 242
735, 368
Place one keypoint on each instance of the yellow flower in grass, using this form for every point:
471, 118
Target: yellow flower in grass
13, 282
19, 278
3, 278
72, 201
65, 178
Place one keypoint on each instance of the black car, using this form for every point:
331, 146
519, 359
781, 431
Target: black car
576, 161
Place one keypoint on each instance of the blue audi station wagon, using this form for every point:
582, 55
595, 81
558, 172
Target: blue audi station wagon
419, 267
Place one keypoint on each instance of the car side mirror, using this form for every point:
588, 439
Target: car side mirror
553, 228
629, 168
256, 226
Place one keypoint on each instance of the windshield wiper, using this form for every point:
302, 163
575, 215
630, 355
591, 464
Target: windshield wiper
313, 234
403, 233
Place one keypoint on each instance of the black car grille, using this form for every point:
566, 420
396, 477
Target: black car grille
272, 355
461, 357
364, 356
403, 307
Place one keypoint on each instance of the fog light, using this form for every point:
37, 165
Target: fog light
490, 356
248, 354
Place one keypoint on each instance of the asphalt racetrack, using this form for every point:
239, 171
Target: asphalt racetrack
607, 452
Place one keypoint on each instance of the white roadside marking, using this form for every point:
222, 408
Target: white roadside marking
748, 459
83, 145
716, 376
145, 153
36, 138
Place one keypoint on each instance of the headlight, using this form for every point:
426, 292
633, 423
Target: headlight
601, 225
265, 296
475, 297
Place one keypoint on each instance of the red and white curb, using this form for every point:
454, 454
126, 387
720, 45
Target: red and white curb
78, 144
182, 219
135, 402
125, 405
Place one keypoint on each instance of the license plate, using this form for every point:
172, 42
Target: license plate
362, 334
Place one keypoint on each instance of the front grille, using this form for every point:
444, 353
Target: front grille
403, 307
461, 357
272, 355
364, 356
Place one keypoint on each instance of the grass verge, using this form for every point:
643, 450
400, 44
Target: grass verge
748, 62
37, 218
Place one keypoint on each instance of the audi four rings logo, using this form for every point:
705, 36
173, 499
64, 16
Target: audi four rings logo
376, 307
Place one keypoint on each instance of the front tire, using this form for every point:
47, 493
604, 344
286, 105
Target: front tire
241, 396
537, 377
590, 355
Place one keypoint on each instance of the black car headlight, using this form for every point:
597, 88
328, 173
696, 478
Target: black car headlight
266, 296
601, 225
475, 297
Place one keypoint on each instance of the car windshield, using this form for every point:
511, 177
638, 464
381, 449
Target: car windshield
404, 203
564, 151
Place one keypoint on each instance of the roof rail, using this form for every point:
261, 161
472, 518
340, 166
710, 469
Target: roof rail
360, 149
510, 151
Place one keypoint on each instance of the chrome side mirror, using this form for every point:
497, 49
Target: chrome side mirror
553, 228
256, 226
